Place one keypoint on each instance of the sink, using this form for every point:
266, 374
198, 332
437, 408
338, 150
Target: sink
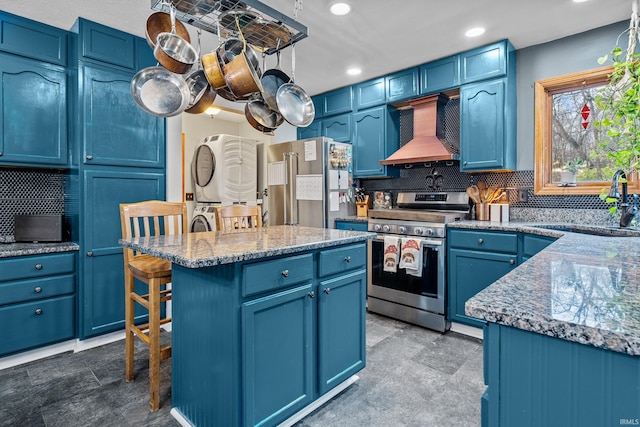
595, 230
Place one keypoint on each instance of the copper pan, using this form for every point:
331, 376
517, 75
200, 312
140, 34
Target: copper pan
160, 22
213, 69
172, 51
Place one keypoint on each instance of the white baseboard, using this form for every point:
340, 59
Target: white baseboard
466, 330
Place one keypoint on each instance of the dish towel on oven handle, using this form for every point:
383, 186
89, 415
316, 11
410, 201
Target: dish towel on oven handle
411, 258
391, 252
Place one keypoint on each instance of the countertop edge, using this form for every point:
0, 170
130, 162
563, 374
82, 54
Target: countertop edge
9, 250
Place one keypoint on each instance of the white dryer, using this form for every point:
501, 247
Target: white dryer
224, 170
203, 219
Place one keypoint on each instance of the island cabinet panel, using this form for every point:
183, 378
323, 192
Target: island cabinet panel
342, 259
33, 103
278, 354
258, 359
532, 244
539, 380
276, 274
341, 328
37, 301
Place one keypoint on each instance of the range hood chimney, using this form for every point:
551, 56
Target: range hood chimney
425, 145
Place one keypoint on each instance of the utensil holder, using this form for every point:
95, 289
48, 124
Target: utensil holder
362, 208
482, 212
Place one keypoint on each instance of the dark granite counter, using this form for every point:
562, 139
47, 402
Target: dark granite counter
20, 249
582, 288
195, 250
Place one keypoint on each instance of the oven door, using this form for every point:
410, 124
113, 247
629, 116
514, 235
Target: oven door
425, 293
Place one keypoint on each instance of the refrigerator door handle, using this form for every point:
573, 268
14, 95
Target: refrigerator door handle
286, 186
293, 201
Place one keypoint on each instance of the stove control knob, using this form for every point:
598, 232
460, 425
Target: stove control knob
376, 227
403, 229
386, 228
429, 232
419, 231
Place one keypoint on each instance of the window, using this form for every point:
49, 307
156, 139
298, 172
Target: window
564, 114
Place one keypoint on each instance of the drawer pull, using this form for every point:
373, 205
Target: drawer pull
327, 291
38, 289
480, 241
89, 157
89, 253
347, 259
38, 311
285, 273
311, 294
512, 262
38, 266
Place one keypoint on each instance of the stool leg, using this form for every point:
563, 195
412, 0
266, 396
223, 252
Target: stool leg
129, 316
154, 344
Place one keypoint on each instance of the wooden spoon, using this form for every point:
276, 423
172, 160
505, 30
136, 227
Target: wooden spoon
474, 194
482, 191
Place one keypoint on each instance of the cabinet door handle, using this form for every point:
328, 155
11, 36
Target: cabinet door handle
89, 157
347, 259
38, 266
89, 253
0, 153
480, 241
327, 291
38, 289
285, 273
464, 163
311, 294
511, 261
38, 311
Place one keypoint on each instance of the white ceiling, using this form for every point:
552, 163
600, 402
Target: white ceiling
380, 36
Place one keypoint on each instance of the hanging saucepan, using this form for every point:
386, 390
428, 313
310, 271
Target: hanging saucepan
160, 92
212, 65
160, 22
255, 124
202, 94
294, 103
172, 51
241, 73
261, 113
271, 81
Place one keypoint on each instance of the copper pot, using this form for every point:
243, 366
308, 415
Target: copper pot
213, 70
241, 77
160, 22
202, 94
172, 51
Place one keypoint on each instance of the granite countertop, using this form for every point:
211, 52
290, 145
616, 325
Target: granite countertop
194, 250
581, 288
354, 218
19, 249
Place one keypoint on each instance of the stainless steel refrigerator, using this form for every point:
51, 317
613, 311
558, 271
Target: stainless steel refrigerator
309, 182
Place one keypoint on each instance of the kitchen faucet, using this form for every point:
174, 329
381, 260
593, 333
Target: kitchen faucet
626, 214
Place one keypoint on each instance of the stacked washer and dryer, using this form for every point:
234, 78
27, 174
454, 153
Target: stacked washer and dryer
224, 172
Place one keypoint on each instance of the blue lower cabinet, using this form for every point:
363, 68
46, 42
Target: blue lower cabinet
37, 301
278, 350
540, 380
352, 225
101, 262
264, 357
341, 328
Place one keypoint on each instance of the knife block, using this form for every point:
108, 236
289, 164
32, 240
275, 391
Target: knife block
362, 208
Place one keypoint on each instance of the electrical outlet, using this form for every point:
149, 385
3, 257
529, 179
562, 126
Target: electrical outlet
189, 197
523, 195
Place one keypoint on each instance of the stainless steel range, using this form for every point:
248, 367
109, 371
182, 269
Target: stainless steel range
401, 295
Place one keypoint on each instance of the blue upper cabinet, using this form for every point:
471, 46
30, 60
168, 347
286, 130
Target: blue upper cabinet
337, 102
116, 131
314, 130
440, 75
32, 39
486, 62
370, 93
106, 45
376, 134
402, 85
337, 128
33, 107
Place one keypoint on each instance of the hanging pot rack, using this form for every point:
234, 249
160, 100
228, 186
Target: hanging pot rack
263, 20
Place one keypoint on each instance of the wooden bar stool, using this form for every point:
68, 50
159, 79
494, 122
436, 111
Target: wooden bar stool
150, 218
239, 218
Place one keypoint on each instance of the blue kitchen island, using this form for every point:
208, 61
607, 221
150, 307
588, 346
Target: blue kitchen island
267, 324
562, 334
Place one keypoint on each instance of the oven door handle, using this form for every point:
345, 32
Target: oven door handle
430, 243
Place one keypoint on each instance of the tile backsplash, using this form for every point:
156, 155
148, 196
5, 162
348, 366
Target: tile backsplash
28, 192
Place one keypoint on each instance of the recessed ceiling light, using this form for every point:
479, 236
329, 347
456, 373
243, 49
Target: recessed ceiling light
212, 111
354, 71
340, 8
579, 1
474, 32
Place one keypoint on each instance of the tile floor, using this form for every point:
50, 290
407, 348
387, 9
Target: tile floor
414, 377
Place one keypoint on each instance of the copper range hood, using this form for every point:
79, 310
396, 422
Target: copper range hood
425, 145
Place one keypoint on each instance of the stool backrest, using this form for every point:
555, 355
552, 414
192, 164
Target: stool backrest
152, 218
239, 218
